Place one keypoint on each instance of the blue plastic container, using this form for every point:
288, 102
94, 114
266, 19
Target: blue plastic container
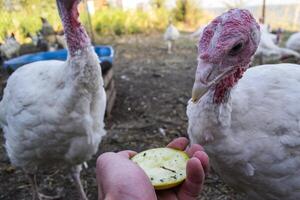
105, 55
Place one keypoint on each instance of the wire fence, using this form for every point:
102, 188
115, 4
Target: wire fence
23, 17
284, 16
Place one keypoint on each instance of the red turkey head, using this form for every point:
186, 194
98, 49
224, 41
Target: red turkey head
225, 51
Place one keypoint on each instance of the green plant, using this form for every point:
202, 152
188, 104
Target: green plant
119, 22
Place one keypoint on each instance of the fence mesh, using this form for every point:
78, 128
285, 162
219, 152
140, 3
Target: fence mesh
22, 17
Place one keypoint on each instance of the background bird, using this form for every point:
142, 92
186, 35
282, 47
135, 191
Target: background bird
48, 34
2, 56
247, 119
171, 34
39, 41
279, 34
268, 51
265, 29
294, 42
53, 39
60, 40
11, 47
52, 111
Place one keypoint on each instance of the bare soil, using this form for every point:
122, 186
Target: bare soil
153, 88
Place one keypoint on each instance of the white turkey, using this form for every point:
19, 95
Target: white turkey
52, 111
171, 35
264, 29
248, 120
11, 47
268, 51
294, 42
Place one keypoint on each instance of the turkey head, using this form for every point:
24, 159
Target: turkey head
225, 51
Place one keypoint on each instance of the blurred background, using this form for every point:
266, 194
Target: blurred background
121, 17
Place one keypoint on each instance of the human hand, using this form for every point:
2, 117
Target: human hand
120, 178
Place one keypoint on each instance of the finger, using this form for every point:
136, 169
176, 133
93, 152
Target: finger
203, 157
166, 195
106, 158
100, 191
127, 153
192, 186
179, 143
101, 164
103, 158
192, 149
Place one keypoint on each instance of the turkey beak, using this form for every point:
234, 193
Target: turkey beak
198, 91
201, 84
207, 76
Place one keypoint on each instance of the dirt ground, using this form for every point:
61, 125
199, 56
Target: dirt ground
153, 88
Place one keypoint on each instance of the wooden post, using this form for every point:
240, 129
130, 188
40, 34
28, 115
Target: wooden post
296, 16
90, 23
263, 11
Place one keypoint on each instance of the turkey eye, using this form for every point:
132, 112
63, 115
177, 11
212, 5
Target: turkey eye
236, 49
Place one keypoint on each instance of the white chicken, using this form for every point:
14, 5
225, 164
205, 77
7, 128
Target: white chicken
268, 51
48, 34
53, 39
38, 41
294, 42
52, 111
10, 47
171, 35
250, 126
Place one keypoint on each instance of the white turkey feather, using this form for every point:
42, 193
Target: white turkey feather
294, 42
52, 111
253, 140
269, 51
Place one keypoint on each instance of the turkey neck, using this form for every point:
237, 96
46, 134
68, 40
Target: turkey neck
216, 117
83, 69
219, 98
76, 36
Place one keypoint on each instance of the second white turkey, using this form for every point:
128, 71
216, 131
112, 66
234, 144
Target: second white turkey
246, 119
